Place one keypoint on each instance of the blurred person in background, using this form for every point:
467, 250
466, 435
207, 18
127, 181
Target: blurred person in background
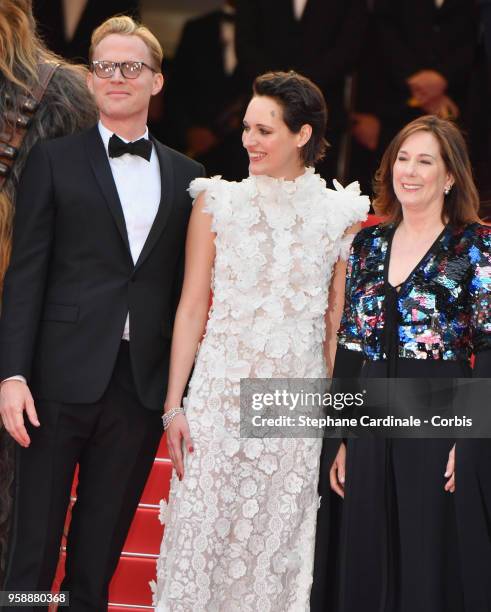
479, 120
485, 8
319, 38
65, 108
67, 25
207, 93
367, 103
428, 48
417, 59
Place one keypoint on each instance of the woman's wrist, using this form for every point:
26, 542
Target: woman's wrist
170, 415
170, 405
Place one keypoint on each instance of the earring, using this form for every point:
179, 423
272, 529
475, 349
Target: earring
446, 191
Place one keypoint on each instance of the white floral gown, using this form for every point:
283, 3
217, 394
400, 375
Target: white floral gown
240, 526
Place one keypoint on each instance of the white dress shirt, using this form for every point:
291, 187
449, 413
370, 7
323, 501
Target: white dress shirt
138, 185
299, 8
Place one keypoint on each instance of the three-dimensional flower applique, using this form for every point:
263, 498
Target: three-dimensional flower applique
243, 529
277, 345
237, 569
246, 214
264, 369
163, 511
268, 464
250, 508
248, 487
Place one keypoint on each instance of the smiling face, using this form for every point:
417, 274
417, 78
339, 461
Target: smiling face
272, 148
120, 99
419, 176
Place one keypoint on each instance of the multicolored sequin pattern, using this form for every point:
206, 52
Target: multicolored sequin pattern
444, 307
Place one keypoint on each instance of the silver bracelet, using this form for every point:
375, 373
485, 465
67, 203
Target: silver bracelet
168, 416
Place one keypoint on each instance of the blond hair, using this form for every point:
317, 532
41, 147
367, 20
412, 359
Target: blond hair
122, 24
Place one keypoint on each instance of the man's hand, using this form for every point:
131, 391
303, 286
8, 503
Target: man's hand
426, 85
443, 107
365, 128
15, 397
199, 141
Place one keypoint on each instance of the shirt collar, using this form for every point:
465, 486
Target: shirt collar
106, 135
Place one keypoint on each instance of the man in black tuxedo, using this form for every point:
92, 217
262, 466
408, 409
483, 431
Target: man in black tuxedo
319, 38
87, 315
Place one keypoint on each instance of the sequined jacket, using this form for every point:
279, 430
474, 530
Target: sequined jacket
444, 306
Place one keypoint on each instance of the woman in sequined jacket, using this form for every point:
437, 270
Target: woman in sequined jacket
417, 305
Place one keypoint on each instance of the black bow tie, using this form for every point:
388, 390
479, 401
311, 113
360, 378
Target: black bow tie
118, 147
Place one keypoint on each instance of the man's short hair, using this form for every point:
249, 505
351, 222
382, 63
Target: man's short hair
122, 24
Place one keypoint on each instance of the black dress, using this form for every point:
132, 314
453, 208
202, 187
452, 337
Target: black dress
406, 545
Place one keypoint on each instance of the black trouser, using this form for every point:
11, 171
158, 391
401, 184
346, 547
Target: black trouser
114, 442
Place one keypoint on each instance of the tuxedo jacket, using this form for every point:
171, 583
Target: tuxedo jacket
324, 45
72, 281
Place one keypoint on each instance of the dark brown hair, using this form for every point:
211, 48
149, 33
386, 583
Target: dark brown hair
461, 204
302, 103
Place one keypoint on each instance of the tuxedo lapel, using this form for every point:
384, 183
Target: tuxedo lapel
102, 171
166, 200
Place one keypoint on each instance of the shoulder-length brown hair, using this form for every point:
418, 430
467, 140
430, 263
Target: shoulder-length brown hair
461, 204
21, 49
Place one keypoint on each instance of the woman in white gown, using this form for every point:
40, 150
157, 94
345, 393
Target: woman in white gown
240, 524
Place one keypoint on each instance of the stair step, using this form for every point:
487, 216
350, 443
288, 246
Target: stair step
157, 486
145, 533
118, 607
130, 582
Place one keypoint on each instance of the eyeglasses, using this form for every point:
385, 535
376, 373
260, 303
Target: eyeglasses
129, 69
